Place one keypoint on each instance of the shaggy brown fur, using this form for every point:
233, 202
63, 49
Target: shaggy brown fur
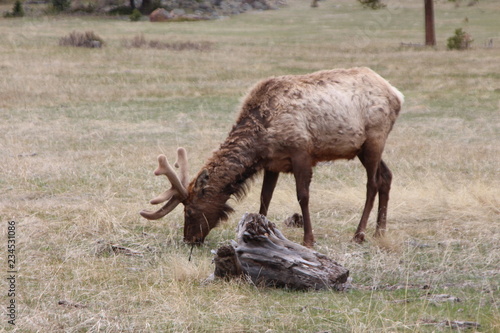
289, 124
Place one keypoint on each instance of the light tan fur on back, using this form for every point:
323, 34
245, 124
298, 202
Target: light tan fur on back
329, 114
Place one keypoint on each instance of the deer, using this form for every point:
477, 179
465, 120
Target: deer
288, 124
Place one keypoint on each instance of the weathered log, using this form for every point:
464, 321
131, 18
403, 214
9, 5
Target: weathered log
268, 258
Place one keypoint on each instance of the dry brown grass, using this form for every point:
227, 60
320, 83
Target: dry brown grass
80, 129
82, 39
139, 41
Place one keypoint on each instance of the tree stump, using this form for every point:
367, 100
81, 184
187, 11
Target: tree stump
264, 255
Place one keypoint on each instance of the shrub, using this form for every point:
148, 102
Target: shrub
139, 41
17, 10
461, 40
135, 16
373, 4
120, 10
60, 5
78, 39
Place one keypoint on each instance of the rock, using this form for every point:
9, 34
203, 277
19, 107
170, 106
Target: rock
160, 15
211, 9
178, 12
260, 5
294, 221
95, 44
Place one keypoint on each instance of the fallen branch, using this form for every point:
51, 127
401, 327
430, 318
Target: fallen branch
268, 258
71, 304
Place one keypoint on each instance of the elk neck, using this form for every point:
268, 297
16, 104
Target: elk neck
237, 160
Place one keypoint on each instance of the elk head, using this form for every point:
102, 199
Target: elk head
197, 219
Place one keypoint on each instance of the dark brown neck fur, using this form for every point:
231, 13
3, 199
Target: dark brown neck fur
231, 167
236, 161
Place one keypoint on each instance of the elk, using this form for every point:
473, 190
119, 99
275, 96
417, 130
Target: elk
289, 124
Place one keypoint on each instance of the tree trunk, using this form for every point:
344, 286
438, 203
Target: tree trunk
430, 35
146, 7
264, 255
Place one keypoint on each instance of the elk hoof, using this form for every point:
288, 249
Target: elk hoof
308, 243
359, 238
379, 233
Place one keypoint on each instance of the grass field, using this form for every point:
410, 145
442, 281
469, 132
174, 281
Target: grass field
80, 130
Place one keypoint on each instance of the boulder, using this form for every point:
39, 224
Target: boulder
160, 15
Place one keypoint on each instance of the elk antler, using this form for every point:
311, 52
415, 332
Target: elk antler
178, 192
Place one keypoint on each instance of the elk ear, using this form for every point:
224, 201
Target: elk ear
201, 181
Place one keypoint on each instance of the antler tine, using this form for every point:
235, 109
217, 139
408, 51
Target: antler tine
163, 197
167, 208
177, 193
183, 165
164, 168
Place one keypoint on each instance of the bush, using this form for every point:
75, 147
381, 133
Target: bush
460, 41
60, 5
373, 4
135, 16
17, 10
120, 10
139, 41
78, 39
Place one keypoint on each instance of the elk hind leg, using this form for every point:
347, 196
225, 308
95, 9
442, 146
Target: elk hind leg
384, 176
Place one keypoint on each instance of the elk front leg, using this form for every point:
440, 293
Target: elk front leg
302, 171
268, 185
370, 158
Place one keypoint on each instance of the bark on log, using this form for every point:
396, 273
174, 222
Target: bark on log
264, 255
